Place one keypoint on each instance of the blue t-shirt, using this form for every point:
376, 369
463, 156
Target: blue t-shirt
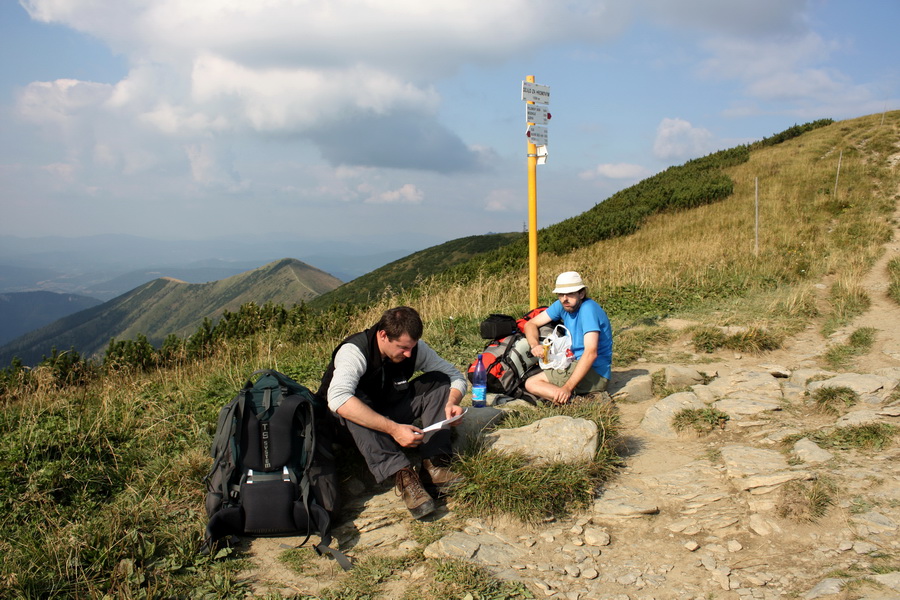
590, 316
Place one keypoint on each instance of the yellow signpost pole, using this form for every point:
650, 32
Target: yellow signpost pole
532, 218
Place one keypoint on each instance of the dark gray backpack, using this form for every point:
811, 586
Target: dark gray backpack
273, 469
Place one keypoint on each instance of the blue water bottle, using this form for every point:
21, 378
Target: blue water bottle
479, 384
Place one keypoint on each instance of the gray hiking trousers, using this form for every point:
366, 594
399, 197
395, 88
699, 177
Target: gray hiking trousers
427, 399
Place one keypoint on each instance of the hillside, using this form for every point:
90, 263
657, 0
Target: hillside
21, 312
168, 306
408, 271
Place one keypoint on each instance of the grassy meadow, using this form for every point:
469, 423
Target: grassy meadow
101, 480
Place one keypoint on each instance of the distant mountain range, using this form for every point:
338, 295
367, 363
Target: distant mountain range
106, 266
26, 311
165, 306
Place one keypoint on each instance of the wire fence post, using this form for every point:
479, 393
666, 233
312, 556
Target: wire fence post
838, 174
756, 242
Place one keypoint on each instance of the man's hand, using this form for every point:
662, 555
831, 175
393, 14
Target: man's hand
408, 436
451, 410
562, 396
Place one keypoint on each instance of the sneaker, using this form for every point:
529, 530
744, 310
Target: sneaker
437, 470
414, 495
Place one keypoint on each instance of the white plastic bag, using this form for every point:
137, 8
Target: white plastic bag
557, 349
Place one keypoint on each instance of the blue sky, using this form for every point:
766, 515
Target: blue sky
397, 121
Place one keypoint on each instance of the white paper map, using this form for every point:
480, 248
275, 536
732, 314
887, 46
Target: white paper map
445, 423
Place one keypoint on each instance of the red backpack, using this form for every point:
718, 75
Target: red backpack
520, 322
509, 363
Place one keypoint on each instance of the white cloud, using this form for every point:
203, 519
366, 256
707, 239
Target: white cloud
62, 171
212, 166
791, 72
677, 139
616, 171
58, 101
503, 200
776, 68
407, 194
297, 99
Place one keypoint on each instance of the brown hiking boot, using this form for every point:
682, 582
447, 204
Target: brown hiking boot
414, 495
437, 470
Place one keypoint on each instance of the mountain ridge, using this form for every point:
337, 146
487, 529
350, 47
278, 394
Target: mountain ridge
168, 306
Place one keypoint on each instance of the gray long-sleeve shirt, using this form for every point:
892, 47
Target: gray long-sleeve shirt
350, 365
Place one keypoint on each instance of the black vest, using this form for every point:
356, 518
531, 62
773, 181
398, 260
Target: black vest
384, 382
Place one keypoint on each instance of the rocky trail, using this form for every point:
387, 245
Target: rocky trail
690, 515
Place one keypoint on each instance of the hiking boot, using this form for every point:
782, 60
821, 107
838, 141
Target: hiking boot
414, 495
437, 470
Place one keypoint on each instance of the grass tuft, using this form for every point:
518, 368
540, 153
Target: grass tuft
805, 501
509, 484
848, 300
754, 340
364, 581
870, 437
702, 420
894, 276
454, 578
633, 343
708, 339
860, 341
829, 399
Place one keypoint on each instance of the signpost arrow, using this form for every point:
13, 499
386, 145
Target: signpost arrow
537, 113
537, 135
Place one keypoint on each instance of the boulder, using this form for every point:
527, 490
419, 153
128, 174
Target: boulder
634, 389
658, 418
808, 451
682, 377
861, 384
554, 439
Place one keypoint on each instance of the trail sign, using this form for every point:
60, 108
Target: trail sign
537, 135
537, 113
533, 92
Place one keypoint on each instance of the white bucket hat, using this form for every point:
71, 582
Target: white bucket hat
568, 282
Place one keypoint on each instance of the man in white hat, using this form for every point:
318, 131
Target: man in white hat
592, 343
